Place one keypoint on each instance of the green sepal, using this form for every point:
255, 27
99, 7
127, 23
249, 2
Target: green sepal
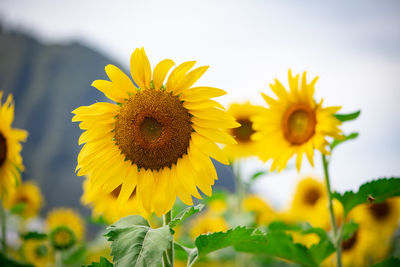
348, 116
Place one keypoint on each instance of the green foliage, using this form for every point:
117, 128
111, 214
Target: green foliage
7, 262
186, 213
348, 116
388, 263
33, 235
349, 229
18, 208
378, 190
346, 138
257, 175
103, 263
135, 243
75, 255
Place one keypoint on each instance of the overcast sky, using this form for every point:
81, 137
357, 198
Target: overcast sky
353, 47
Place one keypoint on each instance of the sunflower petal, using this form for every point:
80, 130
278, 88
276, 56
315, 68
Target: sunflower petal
161, 71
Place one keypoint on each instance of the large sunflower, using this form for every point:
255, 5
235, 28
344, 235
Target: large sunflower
10, 148
29, 195
245, 147
158, 138
106, 204
294, 124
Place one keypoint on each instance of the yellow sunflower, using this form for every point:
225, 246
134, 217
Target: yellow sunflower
207, 222
66, 227
37, 252
294, 124
106, 204
381, 217
29, 195
264, 213
245, 147
10, 148
158, 138
310, 204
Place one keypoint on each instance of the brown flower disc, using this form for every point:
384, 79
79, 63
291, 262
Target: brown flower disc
153, 129
299, 124
243, 133
3, 149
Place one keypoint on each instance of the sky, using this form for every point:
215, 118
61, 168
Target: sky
353, 46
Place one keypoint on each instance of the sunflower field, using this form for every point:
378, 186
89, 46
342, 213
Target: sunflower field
148, 176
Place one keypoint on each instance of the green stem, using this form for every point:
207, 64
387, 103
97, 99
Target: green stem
337, 235
3, 228
59, 258
168, 255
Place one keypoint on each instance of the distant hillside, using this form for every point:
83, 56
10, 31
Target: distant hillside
48, 82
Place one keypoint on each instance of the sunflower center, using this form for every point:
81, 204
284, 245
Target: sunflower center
153, 129
62, 237
349, 243
299, 124
380, 210
312, 196
243, 133
3, 149
41, 250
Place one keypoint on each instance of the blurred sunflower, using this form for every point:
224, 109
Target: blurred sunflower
245, 147
294, 124
363, 248
95, 252
10, 148
217, 206
37, 252
66, 227
310, 204
263, 212
106, 204
207, 223
158, 139
381, 217
27, 194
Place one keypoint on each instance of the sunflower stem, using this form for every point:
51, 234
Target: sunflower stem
337, 235
3, 228
58, 259
168, 255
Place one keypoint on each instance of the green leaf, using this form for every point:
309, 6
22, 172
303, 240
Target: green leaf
33, 235
135, 243
278, 244
103, 263
192, 253
378, 190
257, 175
320, 251
18, 208
186, 213
349, 229
388, 263
348, 116
346, 138
75, 255
8, 262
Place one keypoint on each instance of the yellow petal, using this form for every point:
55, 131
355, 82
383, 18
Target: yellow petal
110, 90
215, 135
140, 68
208, 103
161, 71
201, 93
224, 124
145, 188
209, 148
120, 79
190, 79
186, 177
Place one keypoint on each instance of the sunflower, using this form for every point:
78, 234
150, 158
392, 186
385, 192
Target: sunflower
157, 139
382, 217
294, 124
106, 204
245, 147
310, 204
363, 248
27, 194
10, 148
207, 222
263, 212
37, 252
66, 227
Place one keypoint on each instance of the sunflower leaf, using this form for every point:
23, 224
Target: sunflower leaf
33, 235
388, 262
374, 191
135, 243
349, 229
257, 175
103, 263
186, 213
348, 116
346, 138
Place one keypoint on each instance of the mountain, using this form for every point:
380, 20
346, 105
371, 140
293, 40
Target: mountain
48, 82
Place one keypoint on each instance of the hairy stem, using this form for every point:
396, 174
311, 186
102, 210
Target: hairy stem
337, 235
168, 255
